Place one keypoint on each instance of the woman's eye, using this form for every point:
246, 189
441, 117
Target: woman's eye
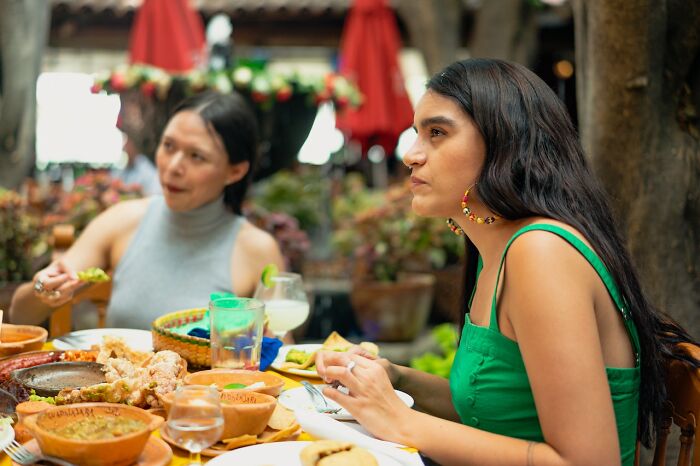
436, 132
197, 157
167, 145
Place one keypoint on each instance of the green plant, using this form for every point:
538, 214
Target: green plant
297, 194
439, 364
383, 235
21, 237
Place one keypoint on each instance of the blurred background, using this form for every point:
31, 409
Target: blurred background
86, 86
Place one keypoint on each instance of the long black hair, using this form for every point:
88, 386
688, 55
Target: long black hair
535, 166
232, 119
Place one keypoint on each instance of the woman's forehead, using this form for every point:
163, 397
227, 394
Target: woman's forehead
189, 127
433, 105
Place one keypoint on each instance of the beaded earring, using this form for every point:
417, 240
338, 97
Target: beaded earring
471, 215
454, 227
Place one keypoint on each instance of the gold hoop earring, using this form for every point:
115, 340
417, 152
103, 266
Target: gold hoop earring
471, 215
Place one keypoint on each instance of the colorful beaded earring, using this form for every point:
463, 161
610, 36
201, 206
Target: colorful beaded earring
471, 215
454, 227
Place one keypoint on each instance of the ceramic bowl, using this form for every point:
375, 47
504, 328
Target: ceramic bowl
117, 451
21, 338
223, 377
50, 379
245, 412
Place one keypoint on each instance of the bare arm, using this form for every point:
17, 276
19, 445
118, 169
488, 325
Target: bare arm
93, 248
555, 325
254, 249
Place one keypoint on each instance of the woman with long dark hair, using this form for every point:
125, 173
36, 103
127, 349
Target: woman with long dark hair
170, 252
560, 357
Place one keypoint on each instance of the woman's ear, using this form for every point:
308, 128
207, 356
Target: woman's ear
236, 172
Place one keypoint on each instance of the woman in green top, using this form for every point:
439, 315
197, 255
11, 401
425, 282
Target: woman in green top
560, 359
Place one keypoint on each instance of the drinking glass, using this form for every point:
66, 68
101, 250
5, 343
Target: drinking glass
286, 304
236, 332
195, 421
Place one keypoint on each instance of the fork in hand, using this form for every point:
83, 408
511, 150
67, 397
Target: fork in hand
20, 455
318, 400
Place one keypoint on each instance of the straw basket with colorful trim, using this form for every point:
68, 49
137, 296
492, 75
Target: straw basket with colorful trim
170, 333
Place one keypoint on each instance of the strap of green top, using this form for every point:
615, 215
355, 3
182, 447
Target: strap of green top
592, 258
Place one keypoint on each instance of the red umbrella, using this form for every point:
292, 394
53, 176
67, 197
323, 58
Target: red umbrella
168, 34
369, 55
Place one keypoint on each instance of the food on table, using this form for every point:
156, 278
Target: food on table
99, 428
22, 361
34, 398
334, 453
133, 377
239, 386
79, 355
268, 273
304, 360
93, 275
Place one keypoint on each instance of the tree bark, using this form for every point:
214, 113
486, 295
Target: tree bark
434, 29
505, 29
24, 28
638, 89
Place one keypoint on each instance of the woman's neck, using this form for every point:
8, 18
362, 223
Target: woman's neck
201, 218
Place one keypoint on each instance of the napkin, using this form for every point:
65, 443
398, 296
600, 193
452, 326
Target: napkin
322, 426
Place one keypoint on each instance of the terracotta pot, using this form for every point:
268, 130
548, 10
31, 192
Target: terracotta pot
393, 311
222, 377
116, 451
21, 338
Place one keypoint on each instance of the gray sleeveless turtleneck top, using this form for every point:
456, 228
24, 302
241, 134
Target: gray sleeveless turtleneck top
174, 261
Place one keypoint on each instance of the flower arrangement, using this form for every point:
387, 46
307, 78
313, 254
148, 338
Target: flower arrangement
21, 238
385, 237
93, 192
264, 87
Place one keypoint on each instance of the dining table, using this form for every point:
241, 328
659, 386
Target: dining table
180, 457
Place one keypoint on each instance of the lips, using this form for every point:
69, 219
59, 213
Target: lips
173, 189
415, 181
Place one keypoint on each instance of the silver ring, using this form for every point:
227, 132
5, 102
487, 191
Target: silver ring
350, 366
39, 286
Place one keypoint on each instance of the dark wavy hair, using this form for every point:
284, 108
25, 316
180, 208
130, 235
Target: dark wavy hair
535, 166
232, 119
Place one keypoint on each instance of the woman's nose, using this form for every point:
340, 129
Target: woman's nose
414, 156
175, 163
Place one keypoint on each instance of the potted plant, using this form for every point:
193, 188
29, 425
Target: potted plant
22, 245
395, 253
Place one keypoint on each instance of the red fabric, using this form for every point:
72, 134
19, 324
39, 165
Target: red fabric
168, 34
369, 55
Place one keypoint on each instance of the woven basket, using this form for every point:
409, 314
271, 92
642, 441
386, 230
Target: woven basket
195, 350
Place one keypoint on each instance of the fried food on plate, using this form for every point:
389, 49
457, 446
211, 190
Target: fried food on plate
297, 359
334, 453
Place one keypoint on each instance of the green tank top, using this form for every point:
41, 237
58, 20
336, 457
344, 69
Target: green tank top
489, 384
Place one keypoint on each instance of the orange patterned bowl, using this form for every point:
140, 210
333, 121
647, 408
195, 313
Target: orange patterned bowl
21, 338
272, 385
245, 412
115, 451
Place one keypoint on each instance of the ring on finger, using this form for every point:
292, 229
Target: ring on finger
39, 286
54, 294
350, 366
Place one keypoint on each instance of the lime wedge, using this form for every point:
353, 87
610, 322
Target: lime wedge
93, 275
268, 273
235, 386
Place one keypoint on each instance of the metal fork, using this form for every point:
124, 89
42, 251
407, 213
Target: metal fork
20, 455
318, 400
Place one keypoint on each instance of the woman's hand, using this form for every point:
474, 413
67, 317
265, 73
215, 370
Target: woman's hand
55, 285
371, 399
390, 368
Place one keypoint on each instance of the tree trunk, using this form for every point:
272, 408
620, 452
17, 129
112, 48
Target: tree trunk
505, 29
434, 29
23, 33
638, 94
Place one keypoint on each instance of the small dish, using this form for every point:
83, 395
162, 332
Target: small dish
223, 377
49, 379
21, 338
298, 398
278, 363
156, 452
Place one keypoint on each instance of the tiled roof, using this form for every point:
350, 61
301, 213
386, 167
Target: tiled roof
121, 7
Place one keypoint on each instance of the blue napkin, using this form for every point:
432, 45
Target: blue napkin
268, 351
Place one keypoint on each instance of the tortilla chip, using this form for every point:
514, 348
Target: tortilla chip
237, 442
335, 342
305, 365
370, 347
312, 453
281, 418
268, 436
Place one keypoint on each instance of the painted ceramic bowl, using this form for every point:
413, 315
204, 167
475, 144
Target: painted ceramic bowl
93, 434
261, 382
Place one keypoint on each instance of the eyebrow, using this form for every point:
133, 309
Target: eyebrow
437, 120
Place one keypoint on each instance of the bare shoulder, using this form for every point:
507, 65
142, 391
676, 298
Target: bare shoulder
255, 240
123, 216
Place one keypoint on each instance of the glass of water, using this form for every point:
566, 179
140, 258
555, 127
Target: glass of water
195, 421
236, 332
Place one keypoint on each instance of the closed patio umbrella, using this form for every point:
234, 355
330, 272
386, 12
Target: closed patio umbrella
369, 55
168, 34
